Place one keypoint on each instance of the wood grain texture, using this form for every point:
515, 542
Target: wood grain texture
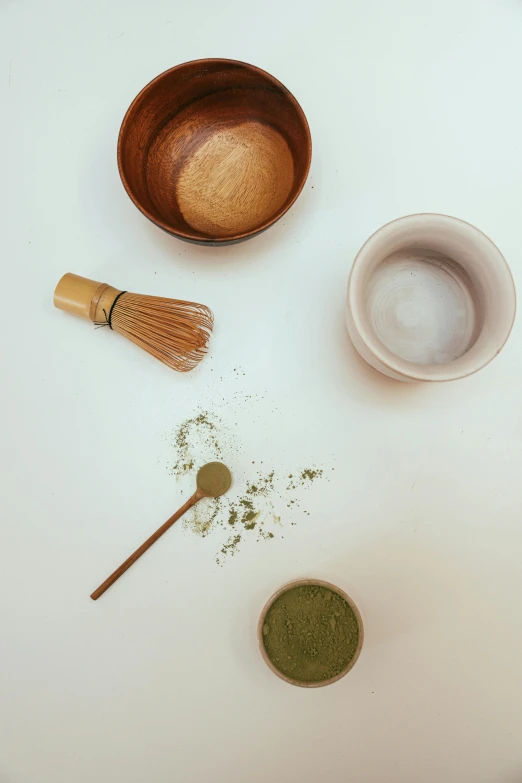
214, 151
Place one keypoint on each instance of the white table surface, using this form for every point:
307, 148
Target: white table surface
413, 106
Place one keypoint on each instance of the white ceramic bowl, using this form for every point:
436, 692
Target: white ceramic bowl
430, 298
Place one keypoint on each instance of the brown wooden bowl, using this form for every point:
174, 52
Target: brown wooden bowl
214, 151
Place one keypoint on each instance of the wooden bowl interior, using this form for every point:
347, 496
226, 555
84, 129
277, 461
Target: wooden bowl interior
214, 150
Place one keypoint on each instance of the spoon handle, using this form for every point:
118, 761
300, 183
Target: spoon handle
146, 545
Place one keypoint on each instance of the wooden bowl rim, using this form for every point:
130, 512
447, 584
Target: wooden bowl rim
289, 586
198, 237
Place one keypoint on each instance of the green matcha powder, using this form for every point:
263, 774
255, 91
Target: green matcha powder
310, 633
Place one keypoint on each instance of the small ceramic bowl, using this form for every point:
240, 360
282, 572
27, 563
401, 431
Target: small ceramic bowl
214, 151
430, 298
274, 597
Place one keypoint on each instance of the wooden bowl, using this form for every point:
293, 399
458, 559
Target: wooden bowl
214, 151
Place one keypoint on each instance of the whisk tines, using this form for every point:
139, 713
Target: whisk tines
174, 331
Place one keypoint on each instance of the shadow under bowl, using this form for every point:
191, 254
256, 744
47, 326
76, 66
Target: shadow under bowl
214, 151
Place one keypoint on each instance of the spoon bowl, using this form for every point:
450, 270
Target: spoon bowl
213, 479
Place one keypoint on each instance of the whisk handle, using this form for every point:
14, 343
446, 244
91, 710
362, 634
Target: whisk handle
146, 545
86, 298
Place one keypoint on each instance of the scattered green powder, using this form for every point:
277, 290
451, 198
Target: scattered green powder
200, 428
266, 536
255, 505
310, 633
201, 523
202, 438
250, 511
231, 546
232, 518
311, 474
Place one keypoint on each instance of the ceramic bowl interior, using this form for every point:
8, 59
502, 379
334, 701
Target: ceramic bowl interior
274, 597
214, 151
431, 298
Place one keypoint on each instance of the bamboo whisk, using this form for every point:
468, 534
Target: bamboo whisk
173, 331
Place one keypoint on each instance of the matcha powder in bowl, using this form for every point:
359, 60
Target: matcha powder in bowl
310, 633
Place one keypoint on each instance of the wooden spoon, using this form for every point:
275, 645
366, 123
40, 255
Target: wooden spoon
212, 481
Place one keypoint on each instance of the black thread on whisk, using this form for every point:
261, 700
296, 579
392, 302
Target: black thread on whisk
108, 317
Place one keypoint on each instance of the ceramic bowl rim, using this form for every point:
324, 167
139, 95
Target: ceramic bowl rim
386, 357
283, 589
195, 237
